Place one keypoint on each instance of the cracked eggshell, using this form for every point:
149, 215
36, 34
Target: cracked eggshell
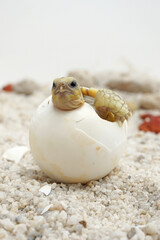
75, 146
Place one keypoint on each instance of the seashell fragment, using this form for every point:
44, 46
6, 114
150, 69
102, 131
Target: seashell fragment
46, 209
15, 154
45, 189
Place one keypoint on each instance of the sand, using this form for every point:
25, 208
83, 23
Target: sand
123, 205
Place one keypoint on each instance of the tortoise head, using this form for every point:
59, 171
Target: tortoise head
66, 93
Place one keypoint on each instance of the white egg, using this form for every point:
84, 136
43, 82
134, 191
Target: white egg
75, 146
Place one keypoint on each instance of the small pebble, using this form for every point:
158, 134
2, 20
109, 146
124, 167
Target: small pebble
25, 86
7, 224
131, 233
151, 228
2, 195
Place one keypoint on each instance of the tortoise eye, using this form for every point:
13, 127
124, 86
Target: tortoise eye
54, 85
73, 84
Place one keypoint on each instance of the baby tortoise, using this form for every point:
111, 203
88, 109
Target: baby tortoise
68, 95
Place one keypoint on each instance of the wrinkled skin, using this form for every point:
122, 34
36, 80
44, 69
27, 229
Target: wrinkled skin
68, 95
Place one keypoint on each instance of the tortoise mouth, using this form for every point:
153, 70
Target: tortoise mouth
63, 92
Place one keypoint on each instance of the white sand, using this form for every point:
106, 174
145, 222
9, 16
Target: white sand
123, 205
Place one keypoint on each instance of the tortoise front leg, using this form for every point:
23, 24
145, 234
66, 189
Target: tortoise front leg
111, 106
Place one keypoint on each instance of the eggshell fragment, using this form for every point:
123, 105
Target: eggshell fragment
16, 153
45, 189
46, 209
75, 146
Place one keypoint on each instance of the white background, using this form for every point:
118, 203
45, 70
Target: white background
44, 39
